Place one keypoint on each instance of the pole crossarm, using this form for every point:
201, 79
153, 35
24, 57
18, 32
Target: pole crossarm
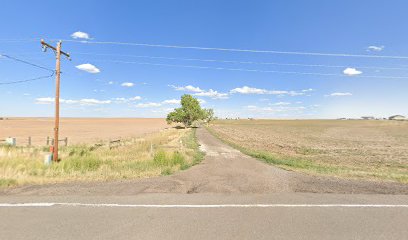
46, 45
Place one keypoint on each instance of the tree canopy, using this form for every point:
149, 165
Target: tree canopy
189, 112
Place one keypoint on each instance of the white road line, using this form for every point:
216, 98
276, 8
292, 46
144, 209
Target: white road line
114, 205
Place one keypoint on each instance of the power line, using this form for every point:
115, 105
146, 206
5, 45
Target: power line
19, 39
27, 80
239, 50
246, 70
28, 63
242, 62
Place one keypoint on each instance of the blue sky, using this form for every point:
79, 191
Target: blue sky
133, 80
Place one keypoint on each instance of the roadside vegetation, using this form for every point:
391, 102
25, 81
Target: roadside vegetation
190, 112
161, 153
349, 149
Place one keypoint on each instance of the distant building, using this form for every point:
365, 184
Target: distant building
397, 117
368, 117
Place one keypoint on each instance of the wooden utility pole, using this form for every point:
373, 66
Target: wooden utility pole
58, 53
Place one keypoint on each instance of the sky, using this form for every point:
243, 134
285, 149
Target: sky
258, 59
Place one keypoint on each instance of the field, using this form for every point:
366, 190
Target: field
78, 130
376, 150
146, 149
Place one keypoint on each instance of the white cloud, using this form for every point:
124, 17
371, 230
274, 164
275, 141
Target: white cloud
125, 100
68, 101
201, 101
171, 101
147, 105
87, 67
351, 72
91, 101
375, 48
84, 101
163, 104
46, 100
187, 88
158, 104
278, 109
249, 90
339, 94
294, 93
136, 98
80, 35
201, 92
120, 100
110, 82
99, 90
127, 84
280, 104
212, 94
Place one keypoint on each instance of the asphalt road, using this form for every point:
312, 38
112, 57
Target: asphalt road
227, 196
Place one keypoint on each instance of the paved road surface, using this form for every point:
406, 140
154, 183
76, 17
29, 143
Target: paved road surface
227, 196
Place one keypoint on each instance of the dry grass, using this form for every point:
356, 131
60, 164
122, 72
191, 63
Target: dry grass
358, 149
160, 153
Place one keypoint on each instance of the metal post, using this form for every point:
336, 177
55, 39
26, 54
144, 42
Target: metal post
29, 141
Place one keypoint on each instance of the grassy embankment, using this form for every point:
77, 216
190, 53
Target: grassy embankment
396, 172
161, 153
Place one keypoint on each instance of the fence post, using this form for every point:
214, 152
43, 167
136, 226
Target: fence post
48, 140
29, 141
66, 141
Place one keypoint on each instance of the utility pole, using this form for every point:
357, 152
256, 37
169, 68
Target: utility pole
58, 53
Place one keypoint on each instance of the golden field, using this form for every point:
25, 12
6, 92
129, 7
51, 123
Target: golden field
78, 130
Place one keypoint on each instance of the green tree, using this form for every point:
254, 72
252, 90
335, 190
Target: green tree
189, 112
209, 115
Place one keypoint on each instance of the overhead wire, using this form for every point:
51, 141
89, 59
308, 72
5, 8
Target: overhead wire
25, 62
240, 62
27, 80
28, 63
236, 49
247, 70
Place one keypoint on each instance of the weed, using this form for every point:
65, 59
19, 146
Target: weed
173, 150
7, 182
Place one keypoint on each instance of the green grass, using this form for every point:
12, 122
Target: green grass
309, 166
191, 142
169, 161
173, 150
7, 182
